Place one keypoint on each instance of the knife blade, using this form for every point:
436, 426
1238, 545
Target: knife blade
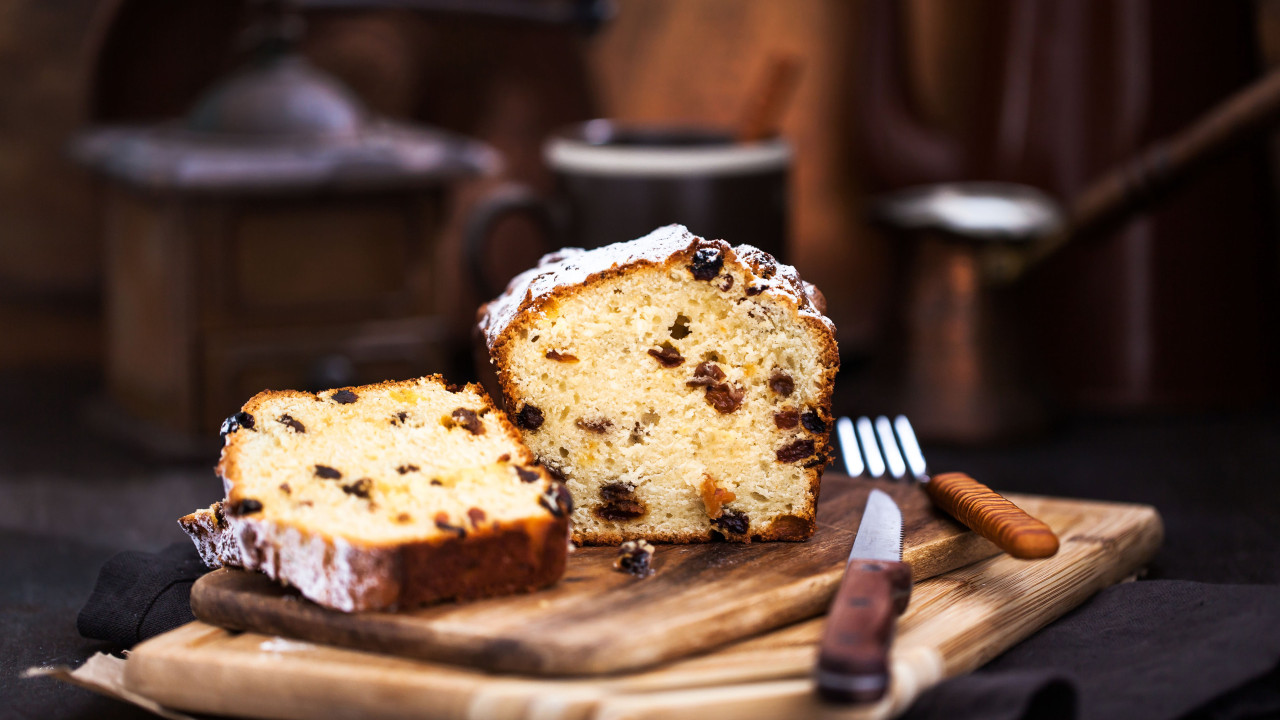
853, 659
977, 506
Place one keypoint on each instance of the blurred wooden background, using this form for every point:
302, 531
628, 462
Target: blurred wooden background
504, 81
64, 65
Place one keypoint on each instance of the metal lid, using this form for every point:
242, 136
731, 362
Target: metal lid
280, 126
984, 211
284, 98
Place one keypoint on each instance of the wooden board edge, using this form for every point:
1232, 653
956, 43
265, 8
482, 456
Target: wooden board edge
211, 595
915, 669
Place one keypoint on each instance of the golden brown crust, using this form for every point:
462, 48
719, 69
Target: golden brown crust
810, 300
518, 556
789, 528
513, 557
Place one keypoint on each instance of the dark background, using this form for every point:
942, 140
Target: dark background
1158, 342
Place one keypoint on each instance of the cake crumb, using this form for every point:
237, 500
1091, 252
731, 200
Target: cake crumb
635, 557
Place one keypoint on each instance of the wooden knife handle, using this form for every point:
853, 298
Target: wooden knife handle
853, 660
993, 517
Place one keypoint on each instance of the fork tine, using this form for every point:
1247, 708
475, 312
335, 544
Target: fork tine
867, 441
893, 458
910, 445
853, 464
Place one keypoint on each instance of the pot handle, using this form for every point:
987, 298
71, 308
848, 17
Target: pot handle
507, 198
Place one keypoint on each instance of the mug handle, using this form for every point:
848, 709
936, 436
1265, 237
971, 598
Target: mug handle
507, 198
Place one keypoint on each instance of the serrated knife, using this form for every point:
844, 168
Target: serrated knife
853, 659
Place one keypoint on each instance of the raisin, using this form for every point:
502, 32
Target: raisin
726, 282
680, 328
766, 265
407, 469
529, 418
476, 515
554, 471
346, 397
615, 513
667, 355
620, 502
247, 506
781, 383
436, 482
442, 522
561, 357
469, 420
504, 457
707, 263
557, 500
285, 488
294, 425
235, 422
614, 491
599, 426
527, 475
732, 521
634, 557
724, 398
360, 488
219, 516
707, 373
798, 450
400, 418
328, 473
404, 517
753, 290
786, 419
813, 422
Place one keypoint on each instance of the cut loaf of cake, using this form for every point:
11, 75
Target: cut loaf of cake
679, 386
384, 496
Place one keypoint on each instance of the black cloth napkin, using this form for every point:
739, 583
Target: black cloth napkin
1145, 650
139, 595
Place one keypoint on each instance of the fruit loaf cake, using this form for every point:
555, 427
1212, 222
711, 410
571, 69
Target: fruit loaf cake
679, 386
384, 496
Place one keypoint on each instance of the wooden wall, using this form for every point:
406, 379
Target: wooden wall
675, 60
64, 64
49, 254
505, 82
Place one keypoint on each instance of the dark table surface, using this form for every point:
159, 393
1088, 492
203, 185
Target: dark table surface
70, 497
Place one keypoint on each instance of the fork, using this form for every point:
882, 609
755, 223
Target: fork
872, 449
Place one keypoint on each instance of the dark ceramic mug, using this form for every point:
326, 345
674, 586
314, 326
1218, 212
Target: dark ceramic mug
618, 182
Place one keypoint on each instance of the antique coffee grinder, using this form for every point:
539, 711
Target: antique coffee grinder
278, 236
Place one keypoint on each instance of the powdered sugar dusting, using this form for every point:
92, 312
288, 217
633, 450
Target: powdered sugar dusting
332, 572
284, 645
574, 266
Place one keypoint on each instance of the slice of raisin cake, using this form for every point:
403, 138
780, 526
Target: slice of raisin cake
679, 386
384, 496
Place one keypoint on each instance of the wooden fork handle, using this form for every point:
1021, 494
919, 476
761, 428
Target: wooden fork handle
993, 517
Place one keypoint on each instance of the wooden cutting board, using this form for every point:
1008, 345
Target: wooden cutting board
598, 620
955, 623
